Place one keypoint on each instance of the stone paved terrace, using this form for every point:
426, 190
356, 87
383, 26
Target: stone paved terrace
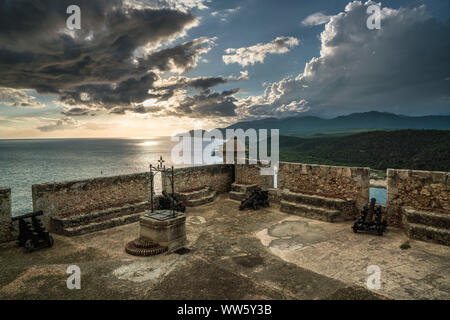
262, 254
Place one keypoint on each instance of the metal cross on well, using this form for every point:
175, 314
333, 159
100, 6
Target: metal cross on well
161, 168
161, 163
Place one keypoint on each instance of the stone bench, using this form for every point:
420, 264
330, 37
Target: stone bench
98, 220
428, 225
317, 207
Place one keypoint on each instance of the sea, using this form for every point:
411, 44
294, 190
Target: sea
35, 161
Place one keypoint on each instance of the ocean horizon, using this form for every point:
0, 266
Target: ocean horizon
24, 162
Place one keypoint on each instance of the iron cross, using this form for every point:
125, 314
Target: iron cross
160, 162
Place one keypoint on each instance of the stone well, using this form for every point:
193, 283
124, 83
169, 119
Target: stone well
165, 228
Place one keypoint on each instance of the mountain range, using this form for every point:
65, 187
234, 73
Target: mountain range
354, 122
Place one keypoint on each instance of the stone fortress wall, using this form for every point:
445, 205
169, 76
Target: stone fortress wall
348, 183
418, 189
218, 177
79, 197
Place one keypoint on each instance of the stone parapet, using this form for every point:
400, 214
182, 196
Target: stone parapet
8, 231
347, 183
218, 177
78, 198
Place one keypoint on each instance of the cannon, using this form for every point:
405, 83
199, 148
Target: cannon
167, 202
32, 233
370, 220
257, 198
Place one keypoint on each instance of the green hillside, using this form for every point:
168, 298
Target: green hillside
402, 149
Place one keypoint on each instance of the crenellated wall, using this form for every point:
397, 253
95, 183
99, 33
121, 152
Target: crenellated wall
218, 177
85, 196
423, 190
251, 174
330, 181
7, 231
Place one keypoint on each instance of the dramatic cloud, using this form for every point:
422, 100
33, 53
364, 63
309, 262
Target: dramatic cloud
181, 5
173, 97
111, 61
224, 14
104, 95
135, 90
204, 105
316, 19
137, 109
76, 112
200, 83
400, 68
17, 98
257, 53
61, 124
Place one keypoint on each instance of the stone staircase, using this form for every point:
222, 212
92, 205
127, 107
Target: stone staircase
196, 198
428, 226
317, 207
240, 191
98, 220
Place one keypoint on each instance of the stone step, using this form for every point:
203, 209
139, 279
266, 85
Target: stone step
427, 218
194, 195
203, 200
309, 211
102, 225
243, 188
429, 234
315, 200
238, 196
98, 216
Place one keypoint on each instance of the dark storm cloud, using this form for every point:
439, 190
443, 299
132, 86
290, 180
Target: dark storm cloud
176, 102
76, 112
125, 93
137, 109
207, 104
201, 83
38, 52
166, 89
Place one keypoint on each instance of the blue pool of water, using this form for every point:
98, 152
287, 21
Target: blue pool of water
379, 194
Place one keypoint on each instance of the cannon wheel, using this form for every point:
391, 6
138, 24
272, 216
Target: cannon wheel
29, 246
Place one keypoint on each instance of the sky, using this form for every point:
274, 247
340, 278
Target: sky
141, 68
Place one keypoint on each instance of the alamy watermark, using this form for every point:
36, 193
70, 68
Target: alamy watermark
200, 147
74, 280
73, 22
374, 280
374, 20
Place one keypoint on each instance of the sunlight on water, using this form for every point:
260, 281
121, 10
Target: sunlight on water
148, 143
